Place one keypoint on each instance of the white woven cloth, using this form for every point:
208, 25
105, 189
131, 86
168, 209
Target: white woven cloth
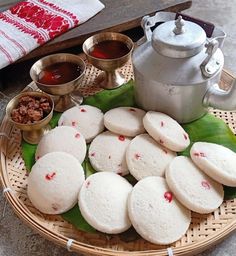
29, 24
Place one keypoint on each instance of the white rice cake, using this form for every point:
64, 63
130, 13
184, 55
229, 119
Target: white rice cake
155, 213
216, 161
145, 157
62, 138
166, 131
54, 182
86, 119
127, 121
103, 202
192, 187
107, 153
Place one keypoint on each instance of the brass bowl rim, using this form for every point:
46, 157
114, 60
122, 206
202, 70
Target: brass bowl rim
83, 68
108, 33
34, 93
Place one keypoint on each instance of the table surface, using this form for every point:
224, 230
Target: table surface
18, 239
117, 16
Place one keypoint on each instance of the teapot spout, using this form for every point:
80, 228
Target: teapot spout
220, 99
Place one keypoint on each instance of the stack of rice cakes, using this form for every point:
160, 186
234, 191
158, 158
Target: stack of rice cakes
169, 187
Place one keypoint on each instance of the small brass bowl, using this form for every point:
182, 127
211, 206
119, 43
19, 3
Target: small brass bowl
32, 133
63, 102
110, 78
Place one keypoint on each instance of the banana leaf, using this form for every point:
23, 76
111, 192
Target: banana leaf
108, 99
75, 217
208, 128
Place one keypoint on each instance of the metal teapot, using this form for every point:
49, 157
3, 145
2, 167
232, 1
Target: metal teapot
177, 69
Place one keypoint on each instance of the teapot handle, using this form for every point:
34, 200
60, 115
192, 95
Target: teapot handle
148, 22
211, 65
219, 35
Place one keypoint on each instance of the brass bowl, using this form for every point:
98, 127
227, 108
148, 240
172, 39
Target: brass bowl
110, 78
32, 133
64, 101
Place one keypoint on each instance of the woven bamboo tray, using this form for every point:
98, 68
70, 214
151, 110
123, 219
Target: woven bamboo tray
205, 230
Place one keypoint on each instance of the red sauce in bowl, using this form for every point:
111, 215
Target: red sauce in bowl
109, 49
59, 73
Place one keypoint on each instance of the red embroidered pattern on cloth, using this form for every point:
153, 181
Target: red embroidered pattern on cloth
31, 23
56, 8
36, 35
48, 19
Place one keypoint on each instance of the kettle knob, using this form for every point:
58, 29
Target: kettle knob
179, 26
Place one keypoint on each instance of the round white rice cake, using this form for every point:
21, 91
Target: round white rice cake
216, 161
192, 187
145, 157
54, 182
127, 121
107, 153
62, 138
166, 131
103, 202
154, 212
86, 119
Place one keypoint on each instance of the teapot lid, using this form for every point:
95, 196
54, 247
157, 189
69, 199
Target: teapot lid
178, 38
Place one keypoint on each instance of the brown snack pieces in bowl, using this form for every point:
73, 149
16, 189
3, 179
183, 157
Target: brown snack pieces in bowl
31, 109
